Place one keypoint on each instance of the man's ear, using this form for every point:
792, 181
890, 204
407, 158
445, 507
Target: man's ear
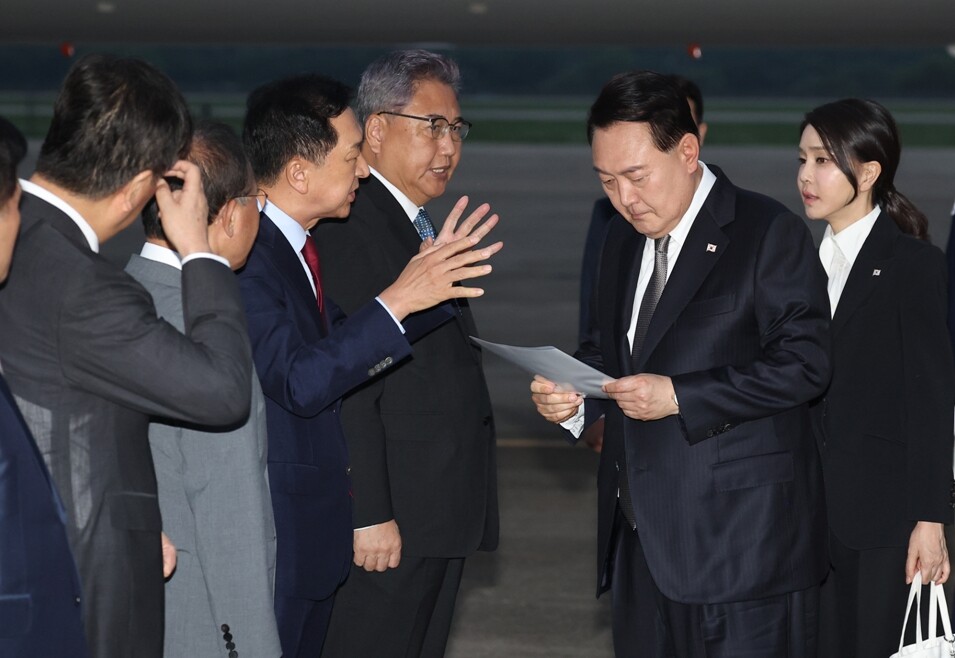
133, 195
689, 149
375, 129
229, 214
297, 174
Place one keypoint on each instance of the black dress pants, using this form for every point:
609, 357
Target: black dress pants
646, 624
400, 613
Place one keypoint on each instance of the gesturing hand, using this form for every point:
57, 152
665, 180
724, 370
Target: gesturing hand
429, 277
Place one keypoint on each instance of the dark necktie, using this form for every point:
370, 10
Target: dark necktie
648, 305
422, 222
310, 252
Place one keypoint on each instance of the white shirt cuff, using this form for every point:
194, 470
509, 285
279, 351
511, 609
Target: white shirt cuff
385, 306
203, 254
575, 424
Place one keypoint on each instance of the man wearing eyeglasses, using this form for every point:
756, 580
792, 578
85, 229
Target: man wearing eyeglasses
213, 491
421, 438
305, 146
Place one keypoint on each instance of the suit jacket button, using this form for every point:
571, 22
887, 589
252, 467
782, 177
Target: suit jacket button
710, 434
388, 361
371, 372
487, 421
348, 470
227, 637
225, 628
233, 654
76, 600
230, 645
616, 465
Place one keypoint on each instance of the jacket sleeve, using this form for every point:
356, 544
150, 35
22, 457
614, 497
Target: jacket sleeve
928, 389
304, 377
132, 357
792, 315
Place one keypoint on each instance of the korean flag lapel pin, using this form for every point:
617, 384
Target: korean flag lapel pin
876, 272
710, 248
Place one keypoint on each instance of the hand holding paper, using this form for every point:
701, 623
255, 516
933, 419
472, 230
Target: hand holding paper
552, 403
552, 364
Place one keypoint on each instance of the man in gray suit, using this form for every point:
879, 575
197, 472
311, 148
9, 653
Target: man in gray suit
83, 351
213, 491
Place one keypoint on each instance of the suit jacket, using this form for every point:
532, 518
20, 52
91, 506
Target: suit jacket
600, 217
39, 586
728, 494
422, 438
884, 426
215, 505
306, 363
89, 362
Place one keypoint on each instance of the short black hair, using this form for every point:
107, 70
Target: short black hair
292, 118
114, 118
644, 97
13, 147
217, 151
693, 93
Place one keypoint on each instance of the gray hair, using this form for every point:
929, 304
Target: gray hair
389, 82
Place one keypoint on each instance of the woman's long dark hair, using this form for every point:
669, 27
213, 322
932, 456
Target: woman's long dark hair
855, 131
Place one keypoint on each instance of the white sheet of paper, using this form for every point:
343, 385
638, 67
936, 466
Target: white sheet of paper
559, 367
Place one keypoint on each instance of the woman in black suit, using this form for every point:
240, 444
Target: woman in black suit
884, 426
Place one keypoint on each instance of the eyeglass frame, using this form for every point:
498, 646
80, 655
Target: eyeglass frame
452, 129
258, 192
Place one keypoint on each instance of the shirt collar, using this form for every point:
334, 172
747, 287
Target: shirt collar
680, 231
67, 209
291, 229
160, 254
850, 239
406, 204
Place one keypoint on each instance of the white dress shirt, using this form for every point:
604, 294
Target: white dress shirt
86, 229
67, 209
838, 252
406, 204
160, 254
296, 236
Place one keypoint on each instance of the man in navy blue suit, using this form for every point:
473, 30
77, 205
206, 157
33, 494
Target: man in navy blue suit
39, 586
305, 147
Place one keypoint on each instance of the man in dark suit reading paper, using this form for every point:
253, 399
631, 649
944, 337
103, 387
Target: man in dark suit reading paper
713, 320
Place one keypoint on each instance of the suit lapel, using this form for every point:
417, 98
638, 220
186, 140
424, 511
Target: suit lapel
631, 252
33, 206
705, 245
290, 267
392, 216
400, 230
872, 263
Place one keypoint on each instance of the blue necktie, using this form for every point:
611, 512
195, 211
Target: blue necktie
422, 222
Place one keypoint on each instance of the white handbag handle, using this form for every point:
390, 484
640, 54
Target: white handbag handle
915, 595
938, 606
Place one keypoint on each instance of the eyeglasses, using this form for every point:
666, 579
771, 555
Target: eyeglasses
441, 126
261, 197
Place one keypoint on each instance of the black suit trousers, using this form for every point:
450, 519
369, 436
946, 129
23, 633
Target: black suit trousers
646, 624
404, 612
